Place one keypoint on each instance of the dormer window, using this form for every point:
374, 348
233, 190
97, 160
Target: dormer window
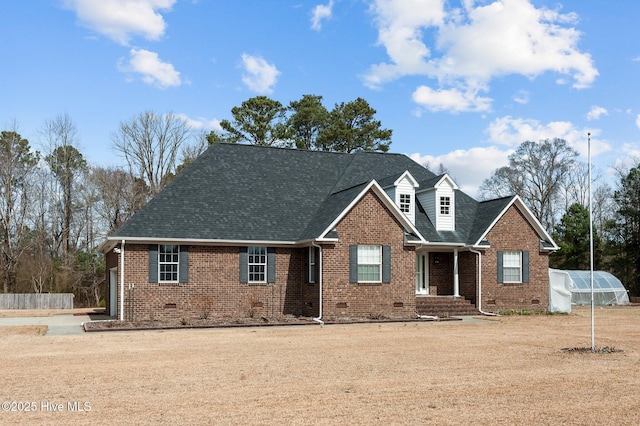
402, 192
438, 199
405, 203
445, 205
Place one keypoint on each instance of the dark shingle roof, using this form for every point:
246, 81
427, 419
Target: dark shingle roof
246, 192
251, 193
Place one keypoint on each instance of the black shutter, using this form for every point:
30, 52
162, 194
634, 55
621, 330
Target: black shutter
271, 265
500, 268
353, 263
244, 265
525, 266
386, 264
306, 264
316, 272
183, 265
153, 263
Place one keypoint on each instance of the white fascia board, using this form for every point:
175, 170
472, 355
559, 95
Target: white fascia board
517, 201
195, 241
395, 210
446, 177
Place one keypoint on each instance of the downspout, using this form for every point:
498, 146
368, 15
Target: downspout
122, 281
318, 319
480, 284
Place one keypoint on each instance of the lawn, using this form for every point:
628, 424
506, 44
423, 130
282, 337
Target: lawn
504, 371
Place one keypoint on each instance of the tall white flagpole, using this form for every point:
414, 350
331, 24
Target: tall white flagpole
593, 335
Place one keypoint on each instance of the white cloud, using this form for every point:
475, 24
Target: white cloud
596, 112
638, 120
120, 20
400, 30
469, 168
320, 13
151, 69
259, 76
512, 132
522, 97
452, 100
200, 123
476, 43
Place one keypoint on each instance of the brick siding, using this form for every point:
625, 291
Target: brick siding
214, 288
513, 232
368, 223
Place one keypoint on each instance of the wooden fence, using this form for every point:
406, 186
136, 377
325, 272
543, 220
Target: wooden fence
37, 301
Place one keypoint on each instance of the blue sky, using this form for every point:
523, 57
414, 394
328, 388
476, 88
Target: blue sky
461, 83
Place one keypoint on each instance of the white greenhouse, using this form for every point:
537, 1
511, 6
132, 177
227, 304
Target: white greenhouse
568, 288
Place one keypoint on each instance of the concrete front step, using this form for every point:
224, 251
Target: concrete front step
444, 306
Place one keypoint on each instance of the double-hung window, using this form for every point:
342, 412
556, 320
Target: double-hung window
369, 264
513, 267
257, 264
168, 262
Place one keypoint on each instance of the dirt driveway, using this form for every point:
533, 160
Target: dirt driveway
511, 370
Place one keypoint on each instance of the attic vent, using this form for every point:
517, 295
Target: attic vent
341, 305
398, 304
170, 306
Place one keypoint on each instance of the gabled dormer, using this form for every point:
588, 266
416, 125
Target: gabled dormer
439, 202
403, 194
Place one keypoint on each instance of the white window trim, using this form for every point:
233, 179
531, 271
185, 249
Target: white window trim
263, 252
378, 263
506, 267
444, 199
161, 263
404, 207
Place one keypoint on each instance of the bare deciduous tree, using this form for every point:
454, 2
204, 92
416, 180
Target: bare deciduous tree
150, 144
17, 164
119, 195
66, 164
536, 172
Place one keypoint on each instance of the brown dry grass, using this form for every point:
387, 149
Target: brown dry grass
508, 371
14, 313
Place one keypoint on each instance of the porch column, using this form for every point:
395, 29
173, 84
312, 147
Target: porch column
456, 281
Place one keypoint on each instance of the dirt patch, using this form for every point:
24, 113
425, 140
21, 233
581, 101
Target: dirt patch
227, 322
24, 330
507, 371
113, 325
20, 313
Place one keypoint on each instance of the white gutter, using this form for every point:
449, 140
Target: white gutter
318, 319
480, 284
122, 281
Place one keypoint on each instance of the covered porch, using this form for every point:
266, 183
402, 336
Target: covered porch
446, 281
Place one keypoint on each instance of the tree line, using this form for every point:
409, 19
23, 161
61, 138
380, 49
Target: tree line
554, 184
56, 208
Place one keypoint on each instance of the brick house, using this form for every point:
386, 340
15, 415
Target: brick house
256, 231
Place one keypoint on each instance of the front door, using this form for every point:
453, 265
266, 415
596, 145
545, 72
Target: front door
422, 274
